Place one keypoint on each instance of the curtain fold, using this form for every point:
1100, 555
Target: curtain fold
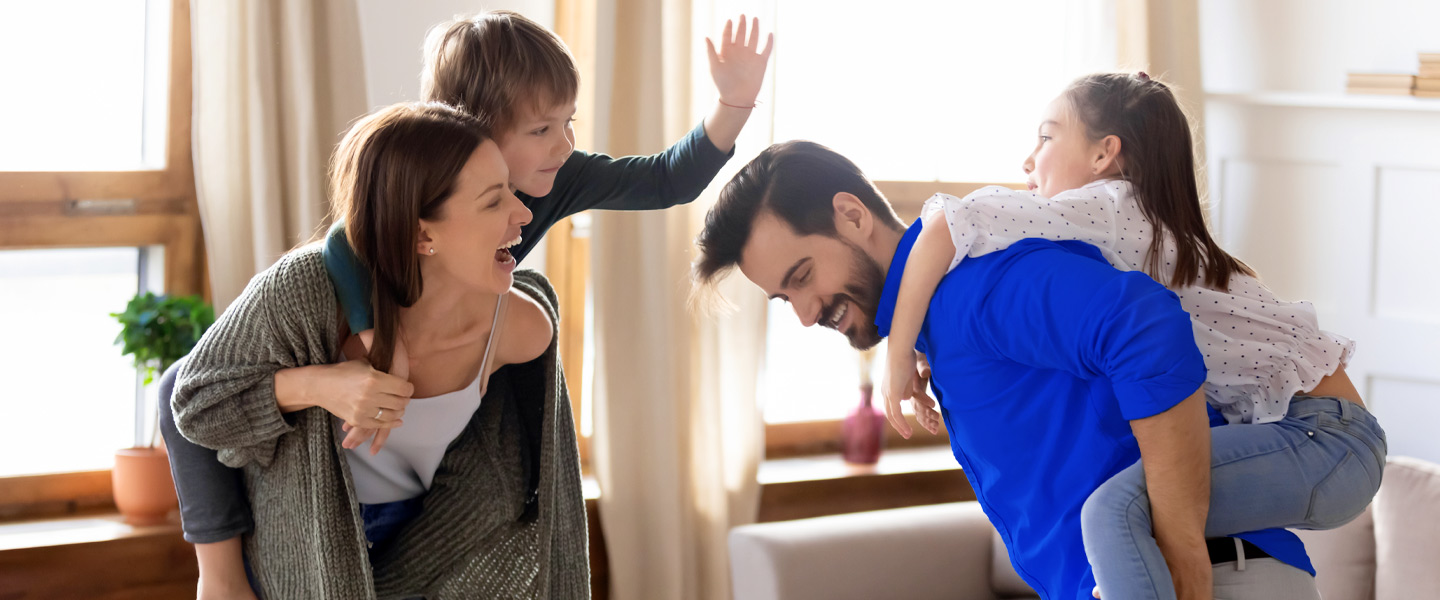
678, 432
276, 82
1162, 37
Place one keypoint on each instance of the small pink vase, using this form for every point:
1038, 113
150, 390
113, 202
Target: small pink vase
863, 433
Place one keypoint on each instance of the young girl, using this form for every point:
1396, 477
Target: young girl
1113, 167
521, 81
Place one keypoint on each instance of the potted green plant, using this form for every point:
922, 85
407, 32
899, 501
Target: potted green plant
156, 331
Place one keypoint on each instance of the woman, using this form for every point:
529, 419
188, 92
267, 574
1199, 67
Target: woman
469, 498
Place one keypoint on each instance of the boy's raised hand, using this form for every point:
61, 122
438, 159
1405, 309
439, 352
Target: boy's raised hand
738, 65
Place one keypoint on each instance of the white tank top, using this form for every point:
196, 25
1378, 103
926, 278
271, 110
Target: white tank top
406, 465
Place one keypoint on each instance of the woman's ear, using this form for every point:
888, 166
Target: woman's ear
424, 243
1107, 161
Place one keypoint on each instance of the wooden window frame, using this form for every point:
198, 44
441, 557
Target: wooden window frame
65, 209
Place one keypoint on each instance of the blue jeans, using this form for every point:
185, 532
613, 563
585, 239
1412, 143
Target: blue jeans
1317, 468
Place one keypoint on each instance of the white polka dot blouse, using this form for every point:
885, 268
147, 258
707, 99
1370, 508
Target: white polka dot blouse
1259, 350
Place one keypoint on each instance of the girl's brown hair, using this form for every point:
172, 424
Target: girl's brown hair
1157, 158
395, 167
488, 64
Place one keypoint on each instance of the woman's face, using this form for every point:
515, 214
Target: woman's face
476, 226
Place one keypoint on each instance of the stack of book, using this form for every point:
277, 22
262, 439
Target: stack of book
1427, 85
1399, 84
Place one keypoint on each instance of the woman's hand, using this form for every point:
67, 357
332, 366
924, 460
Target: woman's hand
738, 66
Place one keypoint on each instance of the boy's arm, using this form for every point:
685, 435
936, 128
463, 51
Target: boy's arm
930, 259
737, 64
681, 172
675, 176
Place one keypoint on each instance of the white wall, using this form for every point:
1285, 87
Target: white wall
1309, 45
1333, 197
392, 34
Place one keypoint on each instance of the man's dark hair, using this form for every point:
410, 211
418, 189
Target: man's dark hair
797, 181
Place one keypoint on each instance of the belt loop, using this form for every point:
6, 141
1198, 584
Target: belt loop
1239, 554
1346, 410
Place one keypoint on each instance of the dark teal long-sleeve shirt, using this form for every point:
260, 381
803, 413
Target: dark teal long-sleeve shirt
675, 176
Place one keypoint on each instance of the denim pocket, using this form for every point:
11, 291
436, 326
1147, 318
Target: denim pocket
1342, 495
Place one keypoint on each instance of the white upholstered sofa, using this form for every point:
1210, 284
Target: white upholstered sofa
951, 552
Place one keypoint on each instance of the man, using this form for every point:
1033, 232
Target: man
1054, 371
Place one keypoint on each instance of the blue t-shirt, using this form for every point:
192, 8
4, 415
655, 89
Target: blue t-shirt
1040, 356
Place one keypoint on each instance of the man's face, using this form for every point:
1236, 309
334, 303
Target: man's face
828, 280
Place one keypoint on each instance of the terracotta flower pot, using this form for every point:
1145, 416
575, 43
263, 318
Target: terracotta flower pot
144, 490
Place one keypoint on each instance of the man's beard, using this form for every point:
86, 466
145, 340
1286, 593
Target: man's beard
867, 281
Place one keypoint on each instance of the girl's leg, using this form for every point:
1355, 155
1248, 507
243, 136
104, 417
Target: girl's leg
1316, 469
214, 512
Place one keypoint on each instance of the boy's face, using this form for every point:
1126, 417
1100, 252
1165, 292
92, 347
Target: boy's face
536, 146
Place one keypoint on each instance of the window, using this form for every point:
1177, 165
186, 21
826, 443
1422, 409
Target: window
58, 302
97, 201
915, 93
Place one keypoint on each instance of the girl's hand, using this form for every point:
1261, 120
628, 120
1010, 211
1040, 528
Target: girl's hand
924, 405
909, 377
738, 67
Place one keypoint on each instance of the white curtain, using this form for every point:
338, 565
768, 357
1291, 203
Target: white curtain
678, 432
276, 82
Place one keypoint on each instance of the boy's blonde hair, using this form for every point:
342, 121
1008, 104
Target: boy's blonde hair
496, 64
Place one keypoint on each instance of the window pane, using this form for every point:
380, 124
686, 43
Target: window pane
921, 90
69, 396
811, 373
76, 75
916, 90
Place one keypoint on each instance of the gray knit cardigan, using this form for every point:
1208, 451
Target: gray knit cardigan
504, 517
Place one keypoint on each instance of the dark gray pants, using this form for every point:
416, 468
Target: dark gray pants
213, 506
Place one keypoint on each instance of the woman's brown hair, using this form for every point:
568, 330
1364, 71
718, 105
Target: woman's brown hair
1157, 158
490, 63
395, 167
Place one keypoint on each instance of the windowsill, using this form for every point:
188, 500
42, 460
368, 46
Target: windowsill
88, 529
897, 461
775, 474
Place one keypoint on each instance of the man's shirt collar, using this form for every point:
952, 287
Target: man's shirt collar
885, 312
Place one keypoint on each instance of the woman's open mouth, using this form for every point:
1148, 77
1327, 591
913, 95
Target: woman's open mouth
503, 255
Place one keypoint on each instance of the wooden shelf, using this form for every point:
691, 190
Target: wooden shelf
894, 461
1328, 101
804, 487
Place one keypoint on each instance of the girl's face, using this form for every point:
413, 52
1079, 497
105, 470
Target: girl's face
536, 146
476, 226
1064, 157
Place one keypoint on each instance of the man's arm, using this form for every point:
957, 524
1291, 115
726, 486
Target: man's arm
1175, 452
